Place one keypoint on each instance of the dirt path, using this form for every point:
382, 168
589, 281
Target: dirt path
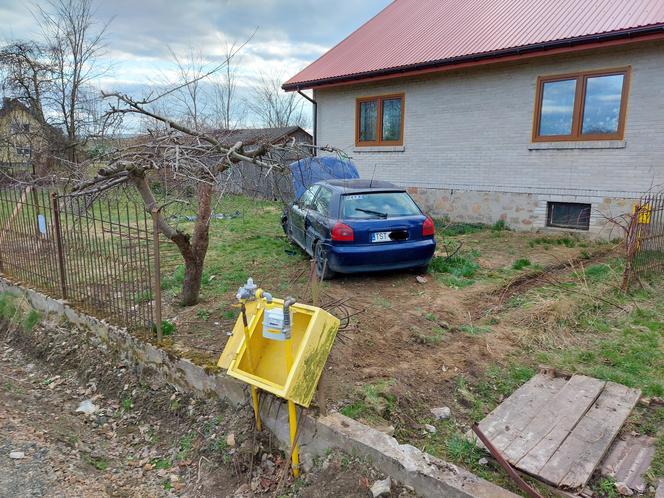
55, 451
144, 439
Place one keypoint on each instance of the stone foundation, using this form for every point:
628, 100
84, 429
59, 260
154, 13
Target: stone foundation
520, 211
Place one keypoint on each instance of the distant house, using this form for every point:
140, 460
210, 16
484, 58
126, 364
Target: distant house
252, 180
24, 141
545, 113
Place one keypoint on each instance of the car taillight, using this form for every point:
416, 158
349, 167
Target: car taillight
428, 227
342, 232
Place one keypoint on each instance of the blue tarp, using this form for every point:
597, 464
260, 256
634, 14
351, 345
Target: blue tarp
306, 172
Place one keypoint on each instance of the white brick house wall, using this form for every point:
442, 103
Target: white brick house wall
468, 151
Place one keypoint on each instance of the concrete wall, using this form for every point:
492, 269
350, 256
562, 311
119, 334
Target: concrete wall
467, 139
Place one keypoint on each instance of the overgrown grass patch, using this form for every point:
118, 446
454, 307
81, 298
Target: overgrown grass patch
16, 310
628, 351
446, 229
456, 271
521, 263
375, 402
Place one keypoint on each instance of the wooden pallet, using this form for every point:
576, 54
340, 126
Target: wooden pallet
558, 429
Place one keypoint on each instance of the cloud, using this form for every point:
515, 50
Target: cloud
286, 35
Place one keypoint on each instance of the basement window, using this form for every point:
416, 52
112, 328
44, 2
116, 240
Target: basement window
568, 215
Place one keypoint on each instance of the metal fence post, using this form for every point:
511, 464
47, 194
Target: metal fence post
58, 243
2, 265
157, 274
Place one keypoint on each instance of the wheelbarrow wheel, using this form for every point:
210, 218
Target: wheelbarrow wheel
320, 257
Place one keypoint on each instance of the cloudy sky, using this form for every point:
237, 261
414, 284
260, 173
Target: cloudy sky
288, 35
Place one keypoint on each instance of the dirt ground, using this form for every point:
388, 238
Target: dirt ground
417, 335
144, 439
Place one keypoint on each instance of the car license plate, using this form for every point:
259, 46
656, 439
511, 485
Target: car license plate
380, 237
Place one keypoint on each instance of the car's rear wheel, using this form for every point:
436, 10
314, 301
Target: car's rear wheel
287, 229
322, 265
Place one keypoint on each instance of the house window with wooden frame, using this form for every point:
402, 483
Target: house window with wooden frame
379, 120
588, 105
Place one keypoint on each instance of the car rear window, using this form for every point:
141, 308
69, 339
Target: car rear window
378, 205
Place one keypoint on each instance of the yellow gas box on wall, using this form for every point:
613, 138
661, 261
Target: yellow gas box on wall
280, 347
266, 364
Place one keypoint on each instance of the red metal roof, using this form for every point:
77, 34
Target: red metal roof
411, 34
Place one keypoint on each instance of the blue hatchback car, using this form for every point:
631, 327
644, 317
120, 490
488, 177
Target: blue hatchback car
358, 225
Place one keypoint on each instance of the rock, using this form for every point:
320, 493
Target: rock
230, 440
441, 413
381, 488
623, 489
306, 462
660, 489
87, 407
430, 428
17, 455
386, 429
483, 461
421, 280
268, 466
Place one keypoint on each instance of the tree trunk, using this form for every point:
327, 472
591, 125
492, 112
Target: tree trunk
191, 287
194, 249
193, 266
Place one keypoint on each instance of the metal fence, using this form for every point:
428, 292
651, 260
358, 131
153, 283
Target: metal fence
96, 254
645, 238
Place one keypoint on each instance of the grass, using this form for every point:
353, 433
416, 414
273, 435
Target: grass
629, 350
458, 270
186, 445
551, 241
167, 328
521, 263
375, 403
250, 244
161, 463
18, 311
475, 329
435, 336
100, 464
446, 229
499, 226
606, 488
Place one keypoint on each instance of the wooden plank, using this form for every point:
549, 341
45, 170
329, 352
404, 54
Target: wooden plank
537, 442
509, 418
576, 457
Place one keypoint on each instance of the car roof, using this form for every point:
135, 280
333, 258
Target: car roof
361, 185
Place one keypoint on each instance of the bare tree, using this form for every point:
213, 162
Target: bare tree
189, 100
27, 75
275, 108
75, 42
224, 92
193, 156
